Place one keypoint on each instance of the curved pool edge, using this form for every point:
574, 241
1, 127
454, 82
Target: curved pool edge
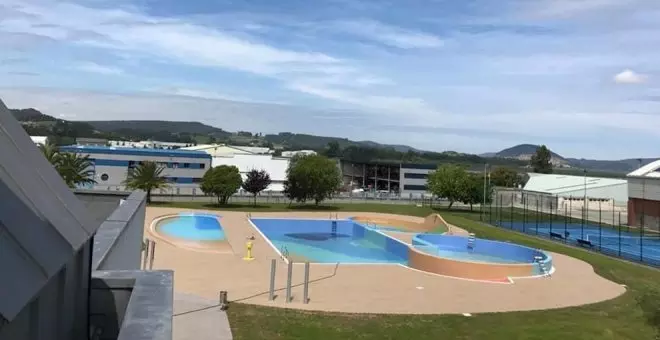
217, 246
474, 270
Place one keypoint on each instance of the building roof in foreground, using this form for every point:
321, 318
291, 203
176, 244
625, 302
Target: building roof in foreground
114, 150
42, 223
557, 183
651, 170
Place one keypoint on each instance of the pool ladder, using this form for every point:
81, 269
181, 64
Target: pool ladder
470, 242
285, 252
542, 265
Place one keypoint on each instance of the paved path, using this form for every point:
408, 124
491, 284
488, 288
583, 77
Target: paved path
197, 318
366, 288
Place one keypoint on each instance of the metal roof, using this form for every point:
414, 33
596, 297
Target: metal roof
42, 223
649, 170
557, 184
113, 150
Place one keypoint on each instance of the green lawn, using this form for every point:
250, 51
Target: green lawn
635, 315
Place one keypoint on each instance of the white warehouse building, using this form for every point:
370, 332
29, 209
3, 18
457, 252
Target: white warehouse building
111, 165
246, 159
607, 193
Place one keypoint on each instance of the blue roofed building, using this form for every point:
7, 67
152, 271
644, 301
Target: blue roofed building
111, 165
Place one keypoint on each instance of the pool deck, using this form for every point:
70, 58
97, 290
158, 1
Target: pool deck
364, 288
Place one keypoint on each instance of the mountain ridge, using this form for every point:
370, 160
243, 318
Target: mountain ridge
161, 130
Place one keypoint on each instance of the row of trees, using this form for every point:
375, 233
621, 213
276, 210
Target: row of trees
309, 178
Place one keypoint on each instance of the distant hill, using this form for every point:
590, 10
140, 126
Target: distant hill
524, 152
33, 115
158, 126
37, 123
305, 141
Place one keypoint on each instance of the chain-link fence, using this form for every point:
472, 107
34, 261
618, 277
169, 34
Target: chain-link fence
594, 224
279, 198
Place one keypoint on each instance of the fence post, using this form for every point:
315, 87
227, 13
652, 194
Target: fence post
511, 216
306, 284
600, 228
153, 255
525, 201
565, 224
619, 234
551, 215
641, 234
537, 215
271, 289
145, 253
289, 274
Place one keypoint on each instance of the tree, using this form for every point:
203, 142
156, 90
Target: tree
448, 181
51, 153
505, 177
333, 150
147, 177
472, 191
540, 161
222, 182
256, 182
311, 177
75, 169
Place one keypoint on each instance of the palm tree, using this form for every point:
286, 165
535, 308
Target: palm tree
50, 152
146, 176
75, 169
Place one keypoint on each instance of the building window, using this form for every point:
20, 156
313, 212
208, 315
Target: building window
186, 165
415, 176
196, 180
202, 166
104, 177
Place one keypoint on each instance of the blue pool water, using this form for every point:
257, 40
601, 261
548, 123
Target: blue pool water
192, 227
456, 247
318, 241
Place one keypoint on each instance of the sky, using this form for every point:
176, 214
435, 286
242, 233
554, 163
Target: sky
580, 76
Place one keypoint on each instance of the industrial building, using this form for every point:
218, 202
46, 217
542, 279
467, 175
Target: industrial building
247, 158
571, 191
184, 169
644, 196
406, 180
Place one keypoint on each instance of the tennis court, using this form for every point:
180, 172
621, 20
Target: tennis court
609, 240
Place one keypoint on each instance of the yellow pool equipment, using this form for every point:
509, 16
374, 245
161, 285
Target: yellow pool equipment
248, 256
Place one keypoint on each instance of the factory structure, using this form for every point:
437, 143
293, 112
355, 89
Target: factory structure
644, 196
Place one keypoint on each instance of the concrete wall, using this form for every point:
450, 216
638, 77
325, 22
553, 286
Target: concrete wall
118, 243
644, 212
414, 180
60, 309
645, 188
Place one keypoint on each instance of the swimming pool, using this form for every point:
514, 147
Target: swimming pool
331, 241
502, 255
192, 227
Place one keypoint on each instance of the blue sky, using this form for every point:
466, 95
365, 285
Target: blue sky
581, 76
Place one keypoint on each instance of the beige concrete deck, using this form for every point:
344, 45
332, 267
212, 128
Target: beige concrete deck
365, 288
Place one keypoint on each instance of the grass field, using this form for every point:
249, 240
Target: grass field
635, 315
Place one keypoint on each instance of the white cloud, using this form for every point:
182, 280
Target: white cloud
388, 35
629, 77
567, 8
101, 69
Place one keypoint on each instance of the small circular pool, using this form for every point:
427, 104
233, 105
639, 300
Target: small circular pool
191, 227
479, 257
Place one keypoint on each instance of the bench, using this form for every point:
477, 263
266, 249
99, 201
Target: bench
584, 243
555, 235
